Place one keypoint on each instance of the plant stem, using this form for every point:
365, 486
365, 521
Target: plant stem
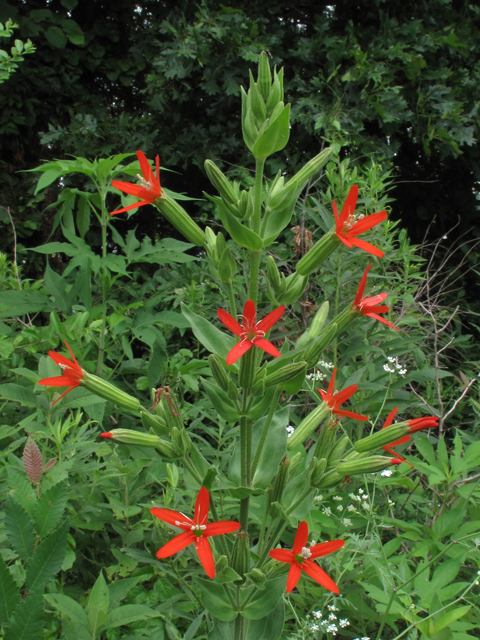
256, 221
337, 295
103, 328
231, 298
266, 427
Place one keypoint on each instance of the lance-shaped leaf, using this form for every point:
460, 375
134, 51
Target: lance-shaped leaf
48, 558
27, 621
98, 603
213, 339
19, 528
50, 509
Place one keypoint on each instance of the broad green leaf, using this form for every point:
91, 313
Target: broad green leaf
73, 31
227, 575
274, 449
56, 37
450, 617
427, 375
129, 613
70, 608
213, 339
47, 178
48, 558
215, 600
75, 631
445, 573
268, 628
275, 137
27, 621
241, 234
9, 594
50, 509
119, 590
18, 303
221, 401
426, 449
98, 603
18, 393
19, 528
264, 602
222, 631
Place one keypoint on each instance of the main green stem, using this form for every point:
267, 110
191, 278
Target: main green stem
103, 328
266, 427
256, 222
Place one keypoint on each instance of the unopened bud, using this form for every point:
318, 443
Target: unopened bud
318, 253
218, 371
264, 75
308, 425
220, 182
240, 561
382, 438
273, 274
258, 578
294, 287
178, 442
128, 436
110, 392
180, 219
338, 449
366, 465
152, 421
314, 350
316, 470
285, 374
312, 167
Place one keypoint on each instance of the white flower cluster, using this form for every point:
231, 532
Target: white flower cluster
327, 511
318, 498
316, 375
337, 498
346, 522
329, 624
290, 430
393, 366
386, 473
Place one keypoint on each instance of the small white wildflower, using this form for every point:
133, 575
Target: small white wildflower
290, 430
351, 508
366, 506
318, 498
338, 498
386, 473
364, 497
332, 607
314, 627
332, 616
387, 369
317, 614
391, 359
344, 623
332, 628
403, 372
347, 522
360, 491
327, 511
354, 497
390, 503
340, 507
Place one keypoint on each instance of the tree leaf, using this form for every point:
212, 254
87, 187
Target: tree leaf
48, 558
9, 594
19, 528
27, 621
50, 509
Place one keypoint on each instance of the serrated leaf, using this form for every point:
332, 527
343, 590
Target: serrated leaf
50, 509
9, 594
129, 613
27, 621
19, 528
98, 602
70, 608
48, 558
32, 459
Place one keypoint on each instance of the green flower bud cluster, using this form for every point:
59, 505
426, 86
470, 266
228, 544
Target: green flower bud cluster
281, 289
222, 263
315, 327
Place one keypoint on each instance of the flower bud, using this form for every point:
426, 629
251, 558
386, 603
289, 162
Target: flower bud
257, 103
258, 578
316, 470
308, 425
294, 287
315, 328
366, 465
326, 439
382, 438
337, 451
248, 369
314, 350
220, 182
240, 561
284, 374
312, 167
318, 253
170, 409
276, 91
226, 266
264, 75
152, 421
178, 442
218, 371
281, 199
273, 274
128, 436
111, 393
330, 479
279, 482
180, 219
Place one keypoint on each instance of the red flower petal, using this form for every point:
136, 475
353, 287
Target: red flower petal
282, 555
366, 246
361, 287
202, 504
172, 517
301, 538
344, 395
130, 206
222, 526
380, 319
399, 441
132, 189
325, 548
350, 204
60, 381
390, 418
331, 385
238, 351
319, 575
144, 165
270, 319
176, 544
64, 394
293, 576
349, 414
249, 314
267, 346
417, 424
204, 551
367, 223
230, 322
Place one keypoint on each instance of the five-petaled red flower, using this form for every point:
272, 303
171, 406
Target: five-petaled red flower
150, 188
416, 424
252, 333
370, 306
194, 531
337, 398
72, 373
299, 559
348, 225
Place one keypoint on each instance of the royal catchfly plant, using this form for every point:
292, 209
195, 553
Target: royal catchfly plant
370, 306
251, 333
416, 424
337, 398
194, 531
149, 189
349, 225
301, 559
72, 373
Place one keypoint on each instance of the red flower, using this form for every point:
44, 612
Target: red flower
348, 225
299, 559
336, 398
252, 332
370, 306
196, 530
72, 373
416, 424
150, 188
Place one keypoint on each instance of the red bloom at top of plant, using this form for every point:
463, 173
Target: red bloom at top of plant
349, 225
194, 531
370, 306
299, 559
337, 398
72, 373
150, 188
416, 424
252, 332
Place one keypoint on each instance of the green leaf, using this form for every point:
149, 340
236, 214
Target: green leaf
47, 178
221, 401
98, 603
19, 528
227, 575
9, 594
213, 339
264, 602
56, 37
73, 31
242, 235
18, 303
50, 509
268, 628
275, 137
129, 613
48, 558
450, 617
27, 621
120, 589
69, 608
274, 449
215, 600
222, 631
18, 393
